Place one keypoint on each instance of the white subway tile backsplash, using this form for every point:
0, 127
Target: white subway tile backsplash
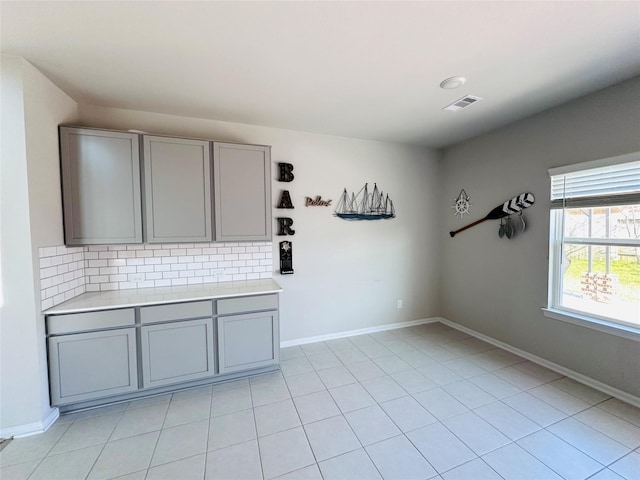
69, 272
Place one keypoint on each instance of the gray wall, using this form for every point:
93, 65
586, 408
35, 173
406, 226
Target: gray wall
496, 286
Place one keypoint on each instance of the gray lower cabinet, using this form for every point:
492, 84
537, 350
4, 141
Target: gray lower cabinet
242, 176
177, 181
100, 186
248, 341
124, 352
85, 366
177, 352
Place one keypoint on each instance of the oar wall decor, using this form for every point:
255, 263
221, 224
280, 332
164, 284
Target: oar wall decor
515, 205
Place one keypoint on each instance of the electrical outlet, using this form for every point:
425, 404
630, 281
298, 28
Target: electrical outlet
399, 303
218, 272
136, 277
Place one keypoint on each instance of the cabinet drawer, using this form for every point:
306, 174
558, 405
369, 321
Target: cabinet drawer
176, 311
247, 304
80, 322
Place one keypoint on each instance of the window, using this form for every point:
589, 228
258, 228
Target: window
594, 269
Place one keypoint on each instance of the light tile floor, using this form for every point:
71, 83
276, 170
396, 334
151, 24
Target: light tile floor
414, 403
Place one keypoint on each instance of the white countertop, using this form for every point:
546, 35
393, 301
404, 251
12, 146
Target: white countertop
153, 296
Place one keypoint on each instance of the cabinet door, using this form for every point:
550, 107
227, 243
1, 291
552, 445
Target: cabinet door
242, 176
177, 352
92, 365
177, 179
248, 341
100, 186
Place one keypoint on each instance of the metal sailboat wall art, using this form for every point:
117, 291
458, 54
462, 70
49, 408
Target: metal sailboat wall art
365, 205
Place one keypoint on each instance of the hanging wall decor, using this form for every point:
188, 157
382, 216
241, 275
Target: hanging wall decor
284, 226
462, 204
285, 223
286, 258
515, 205
365, 205
286, 172
317, 202
285, 200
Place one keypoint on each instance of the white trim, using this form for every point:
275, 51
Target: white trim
603, 162
601, 325
361, 331
603, 387
31, 428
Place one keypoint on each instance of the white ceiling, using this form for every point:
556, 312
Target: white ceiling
358, 69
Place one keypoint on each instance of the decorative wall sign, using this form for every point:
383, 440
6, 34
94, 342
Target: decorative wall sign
284, 226
317, 202
462, 204
286, 172
365, 206
286, 258
515, 205
285, 200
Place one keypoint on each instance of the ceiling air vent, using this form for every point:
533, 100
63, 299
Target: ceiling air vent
462, 103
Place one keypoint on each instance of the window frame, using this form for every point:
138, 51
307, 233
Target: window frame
557, 241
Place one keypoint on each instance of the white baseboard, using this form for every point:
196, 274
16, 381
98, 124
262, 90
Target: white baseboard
31, 428
361, 331
603, 387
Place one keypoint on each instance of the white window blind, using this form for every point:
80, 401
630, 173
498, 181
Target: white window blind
617, 182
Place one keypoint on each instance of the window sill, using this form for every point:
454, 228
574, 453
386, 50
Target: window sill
593, 323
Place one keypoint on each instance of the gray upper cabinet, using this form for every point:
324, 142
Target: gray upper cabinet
177, 185
100, 186
242, 175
